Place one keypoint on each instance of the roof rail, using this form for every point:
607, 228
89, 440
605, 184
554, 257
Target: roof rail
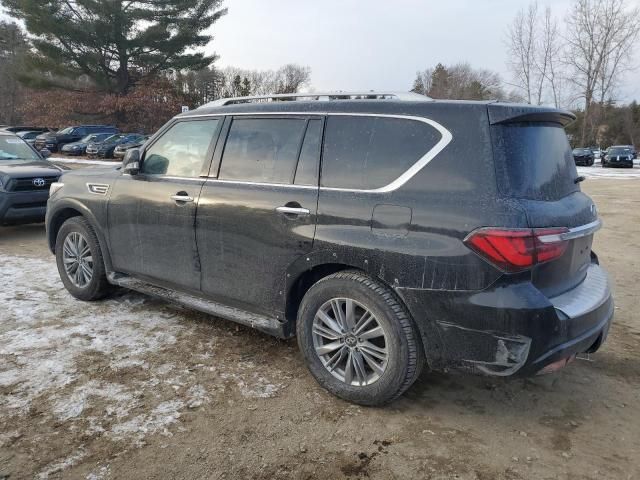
325, 96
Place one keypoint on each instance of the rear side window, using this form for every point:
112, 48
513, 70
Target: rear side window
371, 152
533, 160
262, 150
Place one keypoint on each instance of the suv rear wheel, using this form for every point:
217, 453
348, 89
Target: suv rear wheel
79, 260
358, 341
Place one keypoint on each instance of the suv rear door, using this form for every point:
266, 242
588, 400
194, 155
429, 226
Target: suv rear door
257, 212
151, 215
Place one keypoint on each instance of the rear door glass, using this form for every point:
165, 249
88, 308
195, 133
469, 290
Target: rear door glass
533, 160
262, 149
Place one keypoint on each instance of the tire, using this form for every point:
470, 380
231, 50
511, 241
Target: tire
83, 287
400, 339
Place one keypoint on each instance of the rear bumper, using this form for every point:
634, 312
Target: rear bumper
512, 328
22, 207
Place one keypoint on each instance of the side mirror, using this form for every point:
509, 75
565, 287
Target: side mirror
131, 162
45, 153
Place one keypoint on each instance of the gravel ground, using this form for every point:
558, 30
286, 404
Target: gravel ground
134, 388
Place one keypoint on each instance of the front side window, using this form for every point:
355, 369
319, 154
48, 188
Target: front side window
366, 153
181, 151
262, 149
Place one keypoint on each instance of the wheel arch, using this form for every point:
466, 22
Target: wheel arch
70, 209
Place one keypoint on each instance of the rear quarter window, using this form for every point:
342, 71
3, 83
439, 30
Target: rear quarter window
366, 153
533, 160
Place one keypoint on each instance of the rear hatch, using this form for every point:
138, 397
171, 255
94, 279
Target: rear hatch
534, 164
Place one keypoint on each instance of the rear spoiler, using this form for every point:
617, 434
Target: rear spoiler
510, 113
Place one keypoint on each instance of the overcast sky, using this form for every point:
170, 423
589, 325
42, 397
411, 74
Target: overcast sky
373, 44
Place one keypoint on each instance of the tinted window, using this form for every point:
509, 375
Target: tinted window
181, 151
371, 152
533, 160
262, 150
309, 163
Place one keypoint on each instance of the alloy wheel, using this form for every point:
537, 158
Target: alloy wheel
77, 259
350, 342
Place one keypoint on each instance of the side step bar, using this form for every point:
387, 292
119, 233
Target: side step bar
259, 322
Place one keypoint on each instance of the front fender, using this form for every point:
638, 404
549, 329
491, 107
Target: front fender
61, 208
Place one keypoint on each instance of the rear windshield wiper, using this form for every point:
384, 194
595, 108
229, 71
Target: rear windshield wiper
581, 178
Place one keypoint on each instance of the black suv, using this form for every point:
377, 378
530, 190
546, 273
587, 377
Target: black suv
53, 141
387, 234
25, 178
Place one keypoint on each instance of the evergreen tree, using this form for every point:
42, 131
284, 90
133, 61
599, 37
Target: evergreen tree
246, 87
114, 42
418, 85
439, 82
13, 47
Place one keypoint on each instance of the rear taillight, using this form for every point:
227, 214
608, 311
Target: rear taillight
517, 249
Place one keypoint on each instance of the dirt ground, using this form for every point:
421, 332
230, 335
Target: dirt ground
133, 388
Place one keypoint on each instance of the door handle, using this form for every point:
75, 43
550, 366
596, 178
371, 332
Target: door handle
182, 198
293, 210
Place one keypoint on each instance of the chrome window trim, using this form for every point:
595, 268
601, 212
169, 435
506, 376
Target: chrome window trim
573, 233
261, 184
422, 162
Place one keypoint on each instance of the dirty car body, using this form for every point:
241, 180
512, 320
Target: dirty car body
469, 213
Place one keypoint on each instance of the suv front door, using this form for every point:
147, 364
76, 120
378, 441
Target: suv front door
151, 215
257, 211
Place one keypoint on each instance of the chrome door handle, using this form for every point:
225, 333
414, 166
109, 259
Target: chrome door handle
293, 210
181, 198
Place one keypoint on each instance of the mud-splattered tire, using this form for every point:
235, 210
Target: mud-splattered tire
80, 262
373, 370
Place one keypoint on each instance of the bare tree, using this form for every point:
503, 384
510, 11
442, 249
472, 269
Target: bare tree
549, 58
522, 47
291, 78
601, 35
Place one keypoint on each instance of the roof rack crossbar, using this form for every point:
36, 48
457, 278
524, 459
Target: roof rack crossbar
324, 96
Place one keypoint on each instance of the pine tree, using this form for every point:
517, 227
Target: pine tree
115, 43
439, 82
418, 85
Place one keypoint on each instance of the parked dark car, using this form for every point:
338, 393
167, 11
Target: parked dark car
583, 156
106, 147
386, 234
53, 141
80, 147
29, 136
619, 156
25, 178
121, 149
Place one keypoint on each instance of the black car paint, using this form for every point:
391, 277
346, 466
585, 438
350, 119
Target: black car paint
229, 246
584, 157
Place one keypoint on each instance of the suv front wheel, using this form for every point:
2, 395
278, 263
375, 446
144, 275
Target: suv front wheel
357, 339
79, 260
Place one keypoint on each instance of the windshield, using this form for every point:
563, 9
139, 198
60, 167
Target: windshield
66, 131
89, 138
534, 160
581, 151
15, 149
619, 151
114, 138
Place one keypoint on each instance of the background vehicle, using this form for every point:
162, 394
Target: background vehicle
583, 156
29, 136
106, 147
25, 178
596, 152
80, 147
384, 233
54, 141
121, 149
619, 156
